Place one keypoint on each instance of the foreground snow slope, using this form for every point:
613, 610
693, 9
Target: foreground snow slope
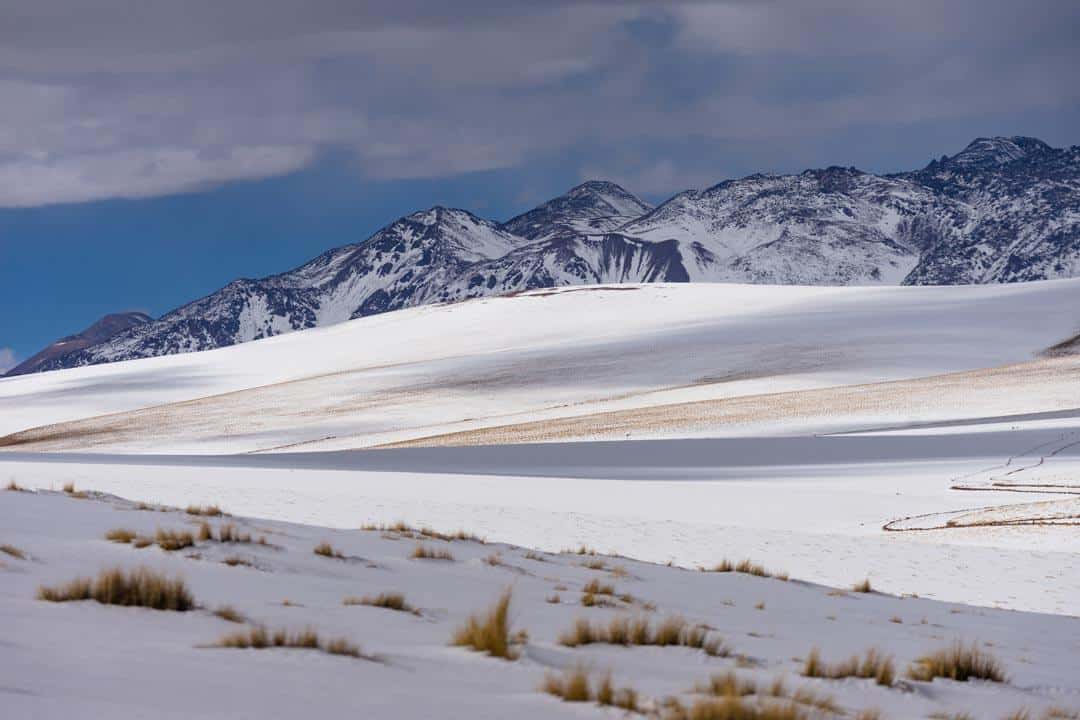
89, 660
555, 354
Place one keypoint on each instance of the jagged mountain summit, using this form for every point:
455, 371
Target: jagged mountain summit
1001, 210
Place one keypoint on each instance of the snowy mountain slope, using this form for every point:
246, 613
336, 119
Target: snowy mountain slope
1002, 210
1021, 202
105, 328
553, 354
823, 227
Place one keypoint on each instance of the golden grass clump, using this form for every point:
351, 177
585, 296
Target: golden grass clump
489, 632
229, 613
15, 487
206, 533
120, 535
553, 599
863, 586
387, 600
171, 540
423, 552
958, 662
873, 665
728, 684
327, 550
204, 510
141, 587
533, 555
596, 564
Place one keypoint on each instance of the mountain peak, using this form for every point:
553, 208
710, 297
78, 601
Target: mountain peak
987, 152
593, 207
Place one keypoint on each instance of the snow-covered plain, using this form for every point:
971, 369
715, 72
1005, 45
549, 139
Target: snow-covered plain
89, 660
556, 354
921, 437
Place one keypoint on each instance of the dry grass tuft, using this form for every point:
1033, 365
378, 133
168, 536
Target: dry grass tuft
553, 599
120, 535
422, 552
236, 560
489, 632
171, 540
229, 613
327, 550
621, 630
228, 533
388, 600
574, 686
141, 587
869, 714
744, 566
594, 587
142, 541
862, 587
873, 665
728, 684
204, 510
15, 487
533, 555
206, 533
70, 491
13, 551
258, 638
958, 662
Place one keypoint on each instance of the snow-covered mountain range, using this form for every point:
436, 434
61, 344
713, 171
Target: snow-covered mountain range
1001, 210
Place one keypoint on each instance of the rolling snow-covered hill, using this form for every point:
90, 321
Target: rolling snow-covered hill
1001, 210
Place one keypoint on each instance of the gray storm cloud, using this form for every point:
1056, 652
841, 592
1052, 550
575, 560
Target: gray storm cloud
126, 99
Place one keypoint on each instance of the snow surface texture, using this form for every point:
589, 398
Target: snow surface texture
1001, 210
90, 660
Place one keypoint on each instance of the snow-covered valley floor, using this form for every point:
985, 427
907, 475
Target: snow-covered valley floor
89, 660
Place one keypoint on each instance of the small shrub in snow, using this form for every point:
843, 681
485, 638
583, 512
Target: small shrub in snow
141, 587
489, 632
228, 533
15, 487
594, 587
735, 708
862, 587
70, 491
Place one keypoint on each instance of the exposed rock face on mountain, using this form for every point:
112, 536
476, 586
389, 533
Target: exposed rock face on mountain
1002, 210
1018, 213
102, 330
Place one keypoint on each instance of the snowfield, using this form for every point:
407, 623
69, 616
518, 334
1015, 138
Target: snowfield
925, 438
89, 660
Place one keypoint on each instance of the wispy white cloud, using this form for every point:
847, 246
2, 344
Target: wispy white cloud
8, 359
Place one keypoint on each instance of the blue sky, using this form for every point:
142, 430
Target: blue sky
151, 152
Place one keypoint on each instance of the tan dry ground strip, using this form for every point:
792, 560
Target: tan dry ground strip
1044, 513
908, 396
